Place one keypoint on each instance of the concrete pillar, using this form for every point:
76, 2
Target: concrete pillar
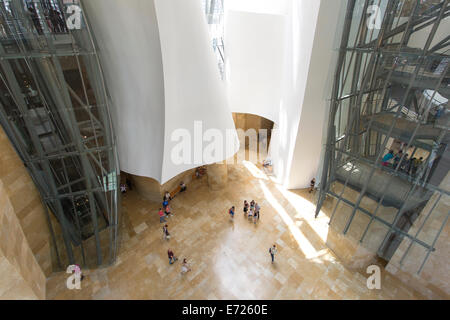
217, 176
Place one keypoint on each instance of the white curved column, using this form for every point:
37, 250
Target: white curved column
162, 75
128, 38
194, 90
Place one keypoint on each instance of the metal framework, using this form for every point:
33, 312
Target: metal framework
214, 11
54, 107
390, 91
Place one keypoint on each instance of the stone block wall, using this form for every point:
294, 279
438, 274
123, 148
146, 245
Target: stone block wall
21, 275
26, 203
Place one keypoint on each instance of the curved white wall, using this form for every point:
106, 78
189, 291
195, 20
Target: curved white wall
269, 45
312, 130
193, 87
255, 46
128, 37
162, 76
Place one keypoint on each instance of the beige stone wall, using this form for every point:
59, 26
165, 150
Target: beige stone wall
147, 188
217, 176
434, 280
21, 275
26, 203
247, 121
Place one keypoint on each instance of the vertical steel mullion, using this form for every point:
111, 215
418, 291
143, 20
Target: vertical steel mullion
113, 159
75, 212
434, 243
416, 71
342, 193
333, 105
76, 136
420, 228
385, 187
84, 161
23, 109
416, 182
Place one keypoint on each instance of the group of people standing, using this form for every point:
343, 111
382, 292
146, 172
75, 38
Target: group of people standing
53, 17
251, 211
408, 165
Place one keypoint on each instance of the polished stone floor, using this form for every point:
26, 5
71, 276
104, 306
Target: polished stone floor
229, 259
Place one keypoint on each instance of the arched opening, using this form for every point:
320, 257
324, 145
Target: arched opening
254, 134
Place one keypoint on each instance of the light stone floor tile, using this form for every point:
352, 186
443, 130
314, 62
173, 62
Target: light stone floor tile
229, 259
140, 227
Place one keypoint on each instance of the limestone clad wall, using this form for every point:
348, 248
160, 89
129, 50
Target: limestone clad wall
26, 203
21, 276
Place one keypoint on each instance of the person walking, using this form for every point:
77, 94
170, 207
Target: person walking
397, 159
312, 185
273, 252
256, 213
404, 163
250, 213
231, 212
255, 217
185, 268
35, 18
387, 158
166, 233
182, 187
171, 256
167, 197
168, 212
245, 207
162, 217
257, 208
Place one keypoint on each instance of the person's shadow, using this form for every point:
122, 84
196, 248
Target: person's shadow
232, 224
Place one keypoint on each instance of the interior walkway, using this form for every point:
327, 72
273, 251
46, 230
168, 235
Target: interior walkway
229, 260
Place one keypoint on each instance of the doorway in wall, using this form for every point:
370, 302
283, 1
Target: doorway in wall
254, 135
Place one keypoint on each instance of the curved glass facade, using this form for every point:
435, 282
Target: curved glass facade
54, 107
387, 156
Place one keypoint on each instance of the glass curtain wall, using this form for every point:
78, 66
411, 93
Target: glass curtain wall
215, 17
54, 107
387, 149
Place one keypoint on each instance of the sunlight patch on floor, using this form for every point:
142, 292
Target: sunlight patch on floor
255, 171
306, 210
303, 243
